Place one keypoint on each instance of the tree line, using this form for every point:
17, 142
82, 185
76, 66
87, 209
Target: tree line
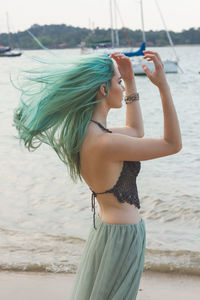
63, 36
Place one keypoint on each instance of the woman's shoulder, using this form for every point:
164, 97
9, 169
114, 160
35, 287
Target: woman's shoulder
119, 147
95, 140
94, 167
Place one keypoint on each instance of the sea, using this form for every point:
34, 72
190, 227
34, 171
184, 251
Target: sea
45, 218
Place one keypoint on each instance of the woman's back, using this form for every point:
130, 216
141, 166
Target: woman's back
103, 175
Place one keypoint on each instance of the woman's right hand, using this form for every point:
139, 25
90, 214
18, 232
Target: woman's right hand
157, 77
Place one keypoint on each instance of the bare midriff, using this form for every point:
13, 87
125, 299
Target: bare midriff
116, 212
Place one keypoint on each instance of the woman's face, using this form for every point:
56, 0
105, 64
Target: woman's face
115, 94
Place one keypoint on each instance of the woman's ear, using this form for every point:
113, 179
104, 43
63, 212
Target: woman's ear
103, 89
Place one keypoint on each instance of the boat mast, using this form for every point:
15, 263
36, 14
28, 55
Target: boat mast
111, 23
123, 26
142, 21
167, 32
116, 30
8, 26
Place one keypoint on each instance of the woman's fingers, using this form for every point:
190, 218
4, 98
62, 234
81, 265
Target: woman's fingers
118, 55
151, 56
146, 70
114, 54
155, 58
124, 65
152, 52
148, 52
157, 77
121, 59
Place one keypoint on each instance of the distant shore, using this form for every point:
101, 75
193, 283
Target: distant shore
60, 36
183, 45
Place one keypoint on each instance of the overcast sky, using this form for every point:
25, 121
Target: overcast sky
178, 14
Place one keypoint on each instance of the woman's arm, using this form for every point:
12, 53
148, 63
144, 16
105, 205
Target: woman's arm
172, 133
134, 121
116, 147
133, 110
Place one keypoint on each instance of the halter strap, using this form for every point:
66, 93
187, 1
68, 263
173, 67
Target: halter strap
100, 125
93, 207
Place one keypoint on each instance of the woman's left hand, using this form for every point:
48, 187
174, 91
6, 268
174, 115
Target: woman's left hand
124, 66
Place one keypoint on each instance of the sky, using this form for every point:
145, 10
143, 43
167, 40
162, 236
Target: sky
178, 14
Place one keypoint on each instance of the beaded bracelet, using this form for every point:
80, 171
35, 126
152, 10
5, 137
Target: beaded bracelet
131, 98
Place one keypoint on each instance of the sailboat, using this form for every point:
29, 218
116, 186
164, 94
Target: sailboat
169, 65
8, 51
4, 49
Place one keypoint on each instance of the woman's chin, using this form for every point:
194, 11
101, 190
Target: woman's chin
117, 105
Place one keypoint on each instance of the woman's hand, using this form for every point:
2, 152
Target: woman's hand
124, 66
157, 77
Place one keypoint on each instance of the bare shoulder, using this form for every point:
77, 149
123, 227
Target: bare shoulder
130, 131
120, 147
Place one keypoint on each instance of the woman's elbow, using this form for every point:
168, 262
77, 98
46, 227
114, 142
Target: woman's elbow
141, 134
178, 148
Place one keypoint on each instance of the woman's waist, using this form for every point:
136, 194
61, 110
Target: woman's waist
124, 215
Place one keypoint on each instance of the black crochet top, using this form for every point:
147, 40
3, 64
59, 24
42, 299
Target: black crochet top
125, 188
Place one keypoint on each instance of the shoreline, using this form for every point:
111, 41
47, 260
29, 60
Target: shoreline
51, 286
121, 47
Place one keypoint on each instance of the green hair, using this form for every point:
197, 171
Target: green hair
57, 102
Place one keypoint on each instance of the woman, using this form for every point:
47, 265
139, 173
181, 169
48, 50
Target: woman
69, 112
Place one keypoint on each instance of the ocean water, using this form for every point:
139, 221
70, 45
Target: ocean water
45, 218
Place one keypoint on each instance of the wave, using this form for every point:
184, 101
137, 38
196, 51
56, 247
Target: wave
44, 268
182, 262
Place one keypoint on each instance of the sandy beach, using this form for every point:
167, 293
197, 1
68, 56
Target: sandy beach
43, 286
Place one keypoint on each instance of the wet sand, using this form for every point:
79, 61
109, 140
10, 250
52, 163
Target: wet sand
43, 286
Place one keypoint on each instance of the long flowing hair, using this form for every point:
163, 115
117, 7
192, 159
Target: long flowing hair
57, 102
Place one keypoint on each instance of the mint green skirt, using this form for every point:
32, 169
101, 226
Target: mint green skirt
112, 262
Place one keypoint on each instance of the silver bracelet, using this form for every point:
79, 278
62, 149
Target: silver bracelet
131, 98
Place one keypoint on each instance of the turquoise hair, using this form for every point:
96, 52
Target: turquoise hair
57, 102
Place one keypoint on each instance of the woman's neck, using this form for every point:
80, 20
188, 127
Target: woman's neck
100, 114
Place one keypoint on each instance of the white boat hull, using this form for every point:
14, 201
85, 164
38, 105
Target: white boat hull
169, 67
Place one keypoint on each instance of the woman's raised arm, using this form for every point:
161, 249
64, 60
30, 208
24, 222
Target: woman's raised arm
134, 121
120, 147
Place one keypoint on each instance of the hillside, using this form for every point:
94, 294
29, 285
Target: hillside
63, 36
